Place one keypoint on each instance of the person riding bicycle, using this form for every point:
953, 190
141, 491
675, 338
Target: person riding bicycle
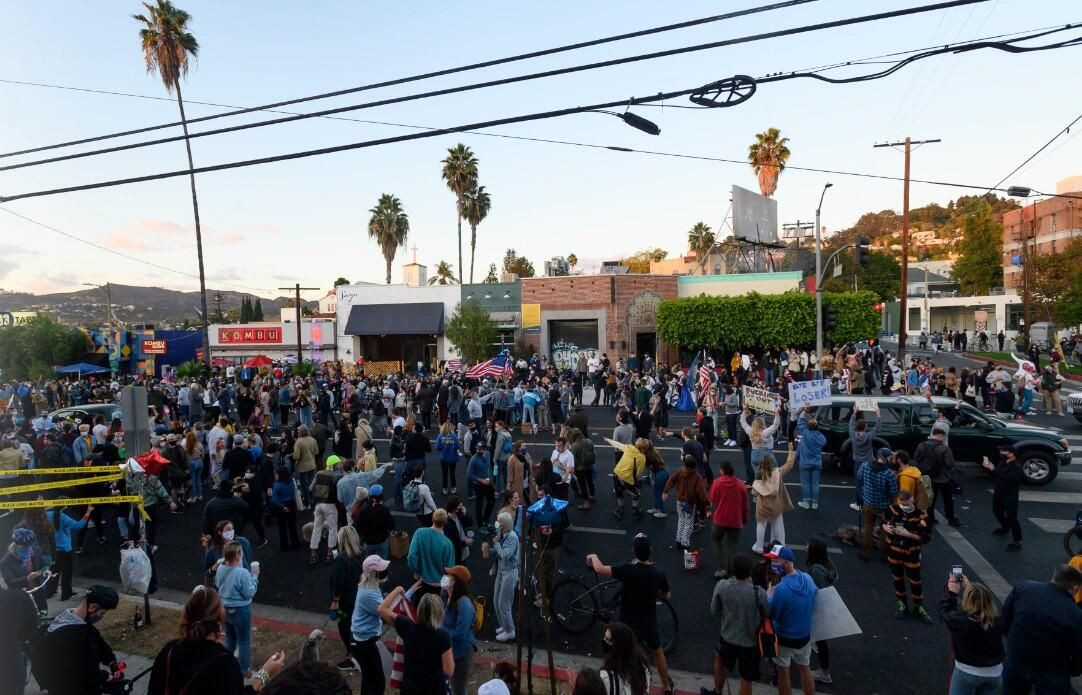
67, 656
643, 584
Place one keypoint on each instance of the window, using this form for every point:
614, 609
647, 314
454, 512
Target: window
834, 413
925, 416
891, 415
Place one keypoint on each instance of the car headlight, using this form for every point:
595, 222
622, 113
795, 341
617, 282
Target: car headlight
1063, 442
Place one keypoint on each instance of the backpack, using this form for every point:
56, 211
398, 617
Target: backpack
922, 493
411, 497
930, 463
478, 613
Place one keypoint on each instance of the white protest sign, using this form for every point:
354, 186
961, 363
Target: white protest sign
813, 392
760, 399
832, 618
870, 405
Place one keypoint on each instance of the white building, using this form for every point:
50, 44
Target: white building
276, 340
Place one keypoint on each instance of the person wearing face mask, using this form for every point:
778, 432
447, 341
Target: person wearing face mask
907, 530
367, 628
224, 534
459, 614
68, 656
792, 605
237, 587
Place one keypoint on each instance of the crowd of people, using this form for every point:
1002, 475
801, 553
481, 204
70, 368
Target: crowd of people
248, 448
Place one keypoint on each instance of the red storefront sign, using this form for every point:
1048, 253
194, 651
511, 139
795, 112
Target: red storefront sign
249, 336
154, 347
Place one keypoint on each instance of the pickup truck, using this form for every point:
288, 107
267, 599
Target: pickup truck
906, 421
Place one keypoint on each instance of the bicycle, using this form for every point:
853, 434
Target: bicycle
578, 606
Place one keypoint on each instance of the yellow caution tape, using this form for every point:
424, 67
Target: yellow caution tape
59, 484
70, 470
78, 502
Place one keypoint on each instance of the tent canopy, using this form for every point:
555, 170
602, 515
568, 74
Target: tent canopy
82, 368
424, 318
259, 361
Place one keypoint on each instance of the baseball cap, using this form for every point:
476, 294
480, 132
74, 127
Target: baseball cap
641, 540
781, 552
332, 460
459, 572
376, 490
238, 439
884, 453
374, 563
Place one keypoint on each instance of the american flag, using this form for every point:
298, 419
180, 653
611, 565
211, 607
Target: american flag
495, 367
453, 365
704, 379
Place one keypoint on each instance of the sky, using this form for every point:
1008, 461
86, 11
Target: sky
305, 220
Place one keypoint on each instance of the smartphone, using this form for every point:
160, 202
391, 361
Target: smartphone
957, 572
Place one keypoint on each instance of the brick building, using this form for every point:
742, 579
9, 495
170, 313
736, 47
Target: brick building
1058, 221
594, 314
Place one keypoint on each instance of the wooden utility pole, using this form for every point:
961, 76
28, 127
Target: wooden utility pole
297, 289
902, 304
218, 297
1025, 266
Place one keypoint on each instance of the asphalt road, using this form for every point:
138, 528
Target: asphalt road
890, 656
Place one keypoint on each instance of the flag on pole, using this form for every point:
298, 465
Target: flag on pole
704, 379
498, 366
453, 365
687, 400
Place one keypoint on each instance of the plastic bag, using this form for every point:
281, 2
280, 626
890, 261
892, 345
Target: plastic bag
692, 560
134, 570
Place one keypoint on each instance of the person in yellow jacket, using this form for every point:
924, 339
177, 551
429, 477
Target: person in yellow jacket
909, 479
625, 476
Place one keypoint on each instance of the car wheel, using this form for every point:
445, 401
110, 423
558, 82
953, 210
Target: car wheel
1038, 467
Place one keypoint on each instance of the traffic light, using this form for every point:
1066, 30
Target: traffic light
861, 252
830, 318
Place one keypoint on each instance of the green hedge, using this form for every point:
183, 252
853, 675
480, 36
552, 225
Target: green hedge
764, 321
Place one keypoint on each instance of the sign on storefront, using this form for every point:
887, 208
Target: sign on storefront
154, 347
250, 336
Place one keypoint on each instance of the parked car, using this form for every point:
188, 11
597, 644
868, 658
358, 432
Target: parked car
1074, 405
906, 421
80, 414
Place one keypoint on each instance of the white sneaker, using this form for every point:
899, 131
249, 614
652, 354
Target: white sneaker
505, 637
757, 549
854, 506
821, 677
660, 515
499, 631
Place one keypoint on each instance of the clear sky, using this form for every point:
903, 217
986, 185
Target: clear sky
305, 220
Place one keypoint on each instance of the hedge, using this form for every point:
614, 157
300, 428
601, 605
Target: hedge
764, 321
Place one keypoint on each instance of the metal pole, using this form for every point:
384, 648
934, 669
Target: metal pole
1025, 272
819, 287
297, 303
112, 340
903, 313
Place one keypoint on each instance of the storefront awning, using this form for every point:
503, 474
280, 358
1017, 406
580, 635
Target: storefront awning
396, 319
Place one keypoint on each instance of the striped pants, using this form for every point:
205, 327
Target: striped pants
905, 564
685, 522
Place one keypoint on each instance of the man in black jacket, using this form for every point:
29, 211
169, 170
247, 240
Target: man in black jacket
226, 506
1009, 476
1044, 634
68, 655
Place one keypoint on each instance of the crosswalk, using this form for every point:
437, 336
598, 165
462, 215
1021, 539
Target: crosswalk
1057, 506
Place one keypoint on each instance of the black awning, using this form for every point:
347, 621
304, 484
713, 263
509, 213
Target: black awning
396, 319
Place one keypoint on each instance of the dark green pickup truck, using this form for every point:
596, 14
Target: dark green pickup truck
906, 421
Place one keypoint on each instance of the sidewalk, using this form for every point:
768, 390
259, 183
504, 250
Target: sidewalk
278, 619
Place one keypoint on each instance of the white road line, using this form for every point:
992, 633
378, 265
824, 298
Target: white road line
832, 551
1057, 526
832, 487
1051, 497
973, 559
1069, 475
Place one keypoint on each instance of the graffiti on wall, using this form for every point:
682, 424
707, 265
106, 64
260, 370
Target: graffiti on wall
565, 355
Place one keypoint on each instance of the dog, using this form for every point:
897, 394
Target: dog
311, 646
847, 534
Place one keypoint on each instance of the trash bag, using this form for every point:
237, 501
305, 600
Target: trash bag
135, 570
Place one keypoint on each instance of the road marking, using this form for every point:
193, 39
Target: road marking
832, 551
596, 529
1051, 497
972, 558
832, 487
1072, 475
1058, 526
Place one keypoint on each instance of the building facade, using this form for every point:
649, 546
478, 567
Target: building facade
742, 283
1046, 225
237, 342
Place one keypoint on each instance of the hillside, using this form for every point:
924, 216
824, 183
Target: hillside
132, 305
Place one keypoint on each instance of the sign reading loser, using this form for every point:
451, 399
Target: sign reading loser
813, 392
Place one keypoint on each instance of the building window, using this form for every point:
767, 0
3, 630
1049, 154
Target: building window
1015, 313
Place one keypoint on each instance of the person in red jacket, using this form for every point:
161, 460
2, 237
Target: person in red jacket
729, 498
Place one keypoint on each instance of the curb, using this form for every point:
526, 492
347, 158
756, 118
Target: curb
983, 358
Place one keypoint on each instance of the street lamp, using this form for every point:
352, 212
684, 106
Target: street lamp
634, 120
819, 287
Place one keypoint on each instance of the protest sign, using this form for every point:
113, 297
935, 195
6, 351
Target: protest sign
831, 618
814, 392
869, 405
760, 399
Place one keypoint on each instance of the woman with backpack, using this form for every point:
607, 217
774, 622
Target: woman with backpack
459, 618
447, 445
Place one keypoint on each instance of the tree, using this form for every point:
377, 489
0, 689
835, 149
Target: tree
767, 156
639, 262
519, 265
475, 206
167, 46
245, 310
32, 349
460, 174
471, 330
444, 274
572, 260
979, 267
388, 227
493, 276
340, 281
257, 312
882, 275
701, 241
1053, 279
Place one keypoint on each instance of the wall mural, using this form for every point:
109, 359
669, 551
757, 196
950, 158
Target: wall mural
565, 355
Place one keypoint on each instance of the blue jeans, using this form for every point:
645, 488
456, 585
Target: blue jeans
809, 484
963, 683
529, 414
753, 472
501, 475
273, 417
195, 468
304, 482
238, 635
381, 549
504, 597
660, 478
399, 469
1019, 678
1027, 401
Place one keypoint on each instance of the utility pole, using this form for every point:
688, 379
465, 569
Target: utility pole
902, 304
297, 303
218, 297
819, 286
1026, 270
109, 321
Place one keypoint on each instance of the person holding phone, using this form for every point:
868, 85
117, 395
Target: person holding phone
1009, 477
907, 531
969, 611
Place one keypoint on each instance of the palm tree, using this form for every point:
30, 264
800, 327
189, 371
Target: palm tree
767, 157
701, 240
445, 274
475, 206
572, 260
167, 47
460, 173
388, 227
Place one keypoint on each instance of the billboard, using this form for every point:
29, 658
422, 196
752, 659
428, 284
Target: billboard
154, 347
755, 217
259, 335
531, 318
16, 318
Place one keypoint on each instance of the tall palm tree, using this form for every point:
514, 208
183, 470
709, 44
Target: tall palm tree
767, 157
167, 47
475, 206
460, 174
388, 227
445, 274
572, 260
701, 240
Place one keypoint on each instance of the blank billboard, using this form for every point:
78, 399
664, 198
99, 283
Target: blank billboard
755, 217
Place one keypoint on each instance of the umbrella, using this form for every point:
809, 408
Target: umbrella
81, 368
259, 361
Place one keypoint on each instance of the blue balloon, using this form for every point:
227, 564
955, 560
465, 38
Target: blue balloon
545, 511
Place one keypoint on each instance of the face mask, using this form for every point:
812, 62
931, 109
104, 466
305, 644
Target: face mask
446, 583
777, 568
907, 509
227, 535
94, 617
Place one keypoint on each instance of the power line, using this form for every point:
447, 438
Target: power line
493, 83
438, 73
1061, 131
